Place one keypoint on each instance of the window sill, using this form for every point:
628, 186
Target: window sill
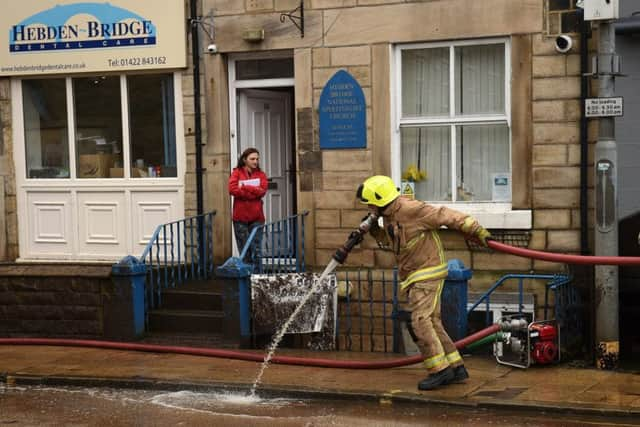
496, 215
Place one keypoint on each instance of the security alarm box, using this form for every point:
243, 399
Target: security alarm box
596, 10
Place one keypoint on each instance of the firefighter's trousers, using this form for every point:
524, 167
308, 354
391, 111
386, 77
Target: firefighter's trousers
436, 347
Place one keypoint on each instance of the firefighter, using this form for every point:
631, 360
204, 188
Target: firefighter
410, 230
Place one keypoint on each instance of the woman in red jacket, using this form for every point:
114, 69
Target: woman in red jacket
248, 185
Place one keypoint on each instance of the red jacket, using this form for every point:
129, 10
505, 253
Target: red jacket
247, 199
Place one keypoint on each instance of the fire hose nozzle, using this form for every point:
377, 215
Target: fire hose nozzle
368, 222
355, 238
340, 255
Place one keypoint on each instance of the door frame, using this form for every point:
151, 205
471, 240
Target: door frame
234, 87
285, 97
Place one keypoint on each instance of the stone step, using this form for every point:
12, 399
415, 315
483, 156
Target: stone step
186, 299
186, 321
201, 340
210, 285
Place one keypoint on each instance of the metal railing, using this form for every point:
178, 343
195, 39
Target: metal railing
178, 251
281, 248
367, 310
569, 313
369, 306
552, 280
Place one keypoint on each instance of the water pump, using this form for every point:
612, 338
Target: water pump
523, 344
355, 238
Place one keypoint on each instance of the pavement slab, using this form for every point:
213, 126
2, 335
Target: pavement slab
560, 387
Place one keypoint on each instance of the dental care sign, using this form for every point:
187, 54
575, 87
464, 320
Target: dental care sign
65, 36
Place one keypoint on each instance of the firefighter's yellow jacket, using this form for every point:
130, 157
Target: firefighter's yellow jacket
410, 230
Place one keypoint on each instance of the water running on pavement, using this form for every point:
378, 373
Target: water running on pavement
278, 336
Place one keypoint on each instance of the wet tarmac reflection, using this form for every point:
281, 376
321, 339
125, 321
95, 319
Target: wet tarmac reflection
76, 406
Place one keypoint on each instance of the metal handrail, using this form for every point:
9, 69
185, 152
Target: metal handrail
178, 251
552, 278
284, 239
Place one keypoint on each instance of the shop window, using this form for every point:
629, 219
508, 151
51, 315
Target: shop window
152, 126
454, 140
98, 107
45, 128
98, 119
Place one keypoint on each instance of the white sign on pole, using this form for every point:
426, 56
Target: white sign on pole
599, 10
603, 107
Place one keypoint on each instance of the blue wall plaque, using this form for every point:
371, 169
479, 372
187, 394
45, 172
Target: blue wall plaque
343, 113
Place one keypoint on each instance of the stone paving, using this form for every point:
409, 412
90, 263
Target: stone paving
549, 388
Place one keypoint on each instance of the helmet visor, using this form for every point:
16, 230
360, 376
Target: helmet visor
359, 194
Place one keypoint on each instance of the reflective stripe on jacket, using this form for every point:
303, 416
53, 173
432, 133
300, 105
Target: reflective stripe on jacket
410, 229
424, 274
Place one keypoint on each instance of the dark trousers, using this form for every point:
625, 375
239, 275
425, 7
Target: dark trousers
242, 231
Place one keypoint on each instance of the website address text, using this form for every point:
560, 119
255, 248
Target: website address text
41, 68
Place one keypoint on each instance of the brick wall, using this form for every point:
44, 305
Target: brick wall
556, 134
356, 35
45, 301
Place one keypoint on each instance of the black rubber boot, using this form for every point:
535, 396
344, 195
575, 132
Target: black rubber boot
436, 380
459, 374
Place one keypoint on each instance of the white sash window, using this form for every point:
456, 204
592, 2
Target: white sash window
453, 132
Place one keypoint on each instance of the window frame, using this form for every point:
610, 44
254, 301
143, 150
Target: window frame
126, 142
493, 214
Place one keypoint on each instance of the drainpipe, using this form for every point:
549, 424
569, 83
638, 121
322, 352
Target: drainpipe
584, 143
195, 50
195, 53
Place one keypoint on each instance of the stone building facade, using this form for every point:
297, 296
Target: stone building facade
361, 37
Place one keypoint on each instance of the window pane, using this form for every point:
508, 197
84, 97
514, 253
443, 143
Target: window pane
480, 79
425, 82
98, 126
428, 149
45, 128
276, 68
152, 125
482, 155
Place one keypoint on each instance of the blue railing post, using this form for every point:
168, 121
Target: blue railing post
124, 311
237, 299
454, 300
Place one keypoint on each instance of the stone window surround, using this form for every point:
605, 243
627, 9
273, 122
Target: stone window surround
515, 215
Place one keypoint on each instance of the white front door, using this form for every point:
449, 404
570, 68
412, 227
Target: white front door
264, 123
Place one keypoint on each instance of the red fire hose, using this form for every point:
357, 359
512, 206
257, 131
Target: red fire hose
326, 363
240, 355
564, 258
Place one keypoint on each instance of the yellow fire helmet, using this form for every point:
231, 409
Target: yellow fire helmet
377, 190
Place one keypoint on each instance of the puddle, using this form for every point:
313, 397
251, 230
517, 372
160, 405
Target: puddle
77, 406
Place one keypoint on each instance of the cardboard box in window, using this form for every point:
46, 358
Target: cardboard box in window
139, 173
116, 173
94, 165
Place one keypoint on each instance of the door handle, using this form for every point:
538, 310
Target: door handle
271, 184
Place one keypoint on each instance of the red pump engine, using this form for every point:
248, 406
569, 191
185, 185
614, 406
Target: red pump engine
544, 348
522, 344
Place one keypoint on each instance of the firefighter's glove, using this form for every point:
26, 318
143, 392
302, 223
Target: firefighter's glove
482, 234
471, 227
376, 231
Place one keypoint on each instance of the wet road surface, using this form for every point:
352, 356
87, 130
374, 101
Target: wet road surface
76, 406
